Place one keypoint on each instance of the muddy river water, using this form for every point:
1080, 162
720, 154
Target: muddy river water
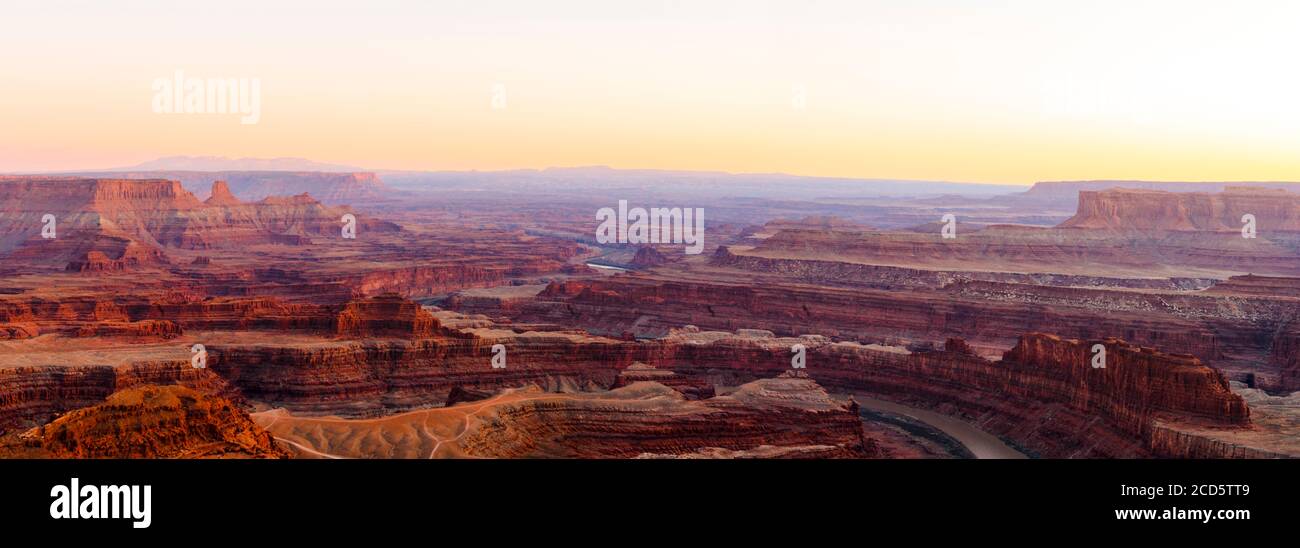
982, 444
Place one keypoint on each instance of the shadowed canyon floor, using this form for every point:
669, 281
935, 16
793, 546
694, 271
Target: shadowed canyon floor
151, 312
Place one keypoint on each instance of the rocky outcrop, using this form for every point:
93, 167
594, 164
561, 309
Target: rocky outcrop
830, 272
1043, 394
787, 412
1065, 194
1286, 356
152, 329
102, 253
14, 331
74, 315
1129, 209
989, 317
1073, 250
333, 188
1235, 325
286, 220
1115, 233
778, 417
648, 257
1258, 286
1133, 384
387, 315
38, 394
151, 214
154, 422
378, 376
221, 195
1174, 443
54, 194
691, 388
426, 280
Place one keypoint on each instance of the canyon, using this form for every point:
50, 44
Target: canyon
771, 418
316, 345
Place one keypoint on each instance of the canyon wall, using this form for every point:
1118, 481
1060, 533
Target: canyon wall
152, 422
632, 303
36, 395
333, 188
382, 355
782, 417
1043, 394
99, 221
1128, 209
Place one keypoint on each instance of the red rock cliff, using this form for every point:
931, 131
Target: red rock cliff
155, 422
1127, 209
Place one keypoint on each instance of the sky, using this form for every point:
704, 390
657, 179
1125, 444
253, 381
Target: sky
982, 91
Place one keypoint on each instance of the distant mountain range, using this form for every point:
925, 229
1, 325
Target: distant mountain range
553, 179
256, 178
584, 176
221, 163
332, 188
696, 183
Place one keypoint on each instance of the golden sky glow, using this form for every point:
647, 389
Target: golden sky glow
990, 91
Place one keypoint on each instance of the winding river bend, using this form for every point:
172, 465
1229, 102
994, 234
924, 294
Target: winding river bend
980, 443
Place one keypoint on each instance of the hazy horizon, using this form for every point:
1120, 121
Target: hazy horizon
939, 90
334, 167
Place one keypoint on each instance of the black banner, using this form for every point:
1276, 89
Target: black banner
320, 498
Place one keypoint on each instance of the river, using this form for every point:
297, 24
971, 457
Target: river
980, 443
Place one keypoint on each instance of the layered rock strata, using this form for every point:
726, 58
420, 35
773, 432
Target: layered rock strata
153, 422
788, 417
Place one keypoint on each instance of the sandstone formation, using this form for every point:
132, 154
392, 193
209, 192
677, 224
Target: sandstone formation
648, 257
831, 272
1128, 209
691, 388
154, 422
115, 224
36, 394
1115, 233
1066, 193
1243, 326
794, 416
221, 195
1039, 374
532, 353
332, 188
1043, 393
